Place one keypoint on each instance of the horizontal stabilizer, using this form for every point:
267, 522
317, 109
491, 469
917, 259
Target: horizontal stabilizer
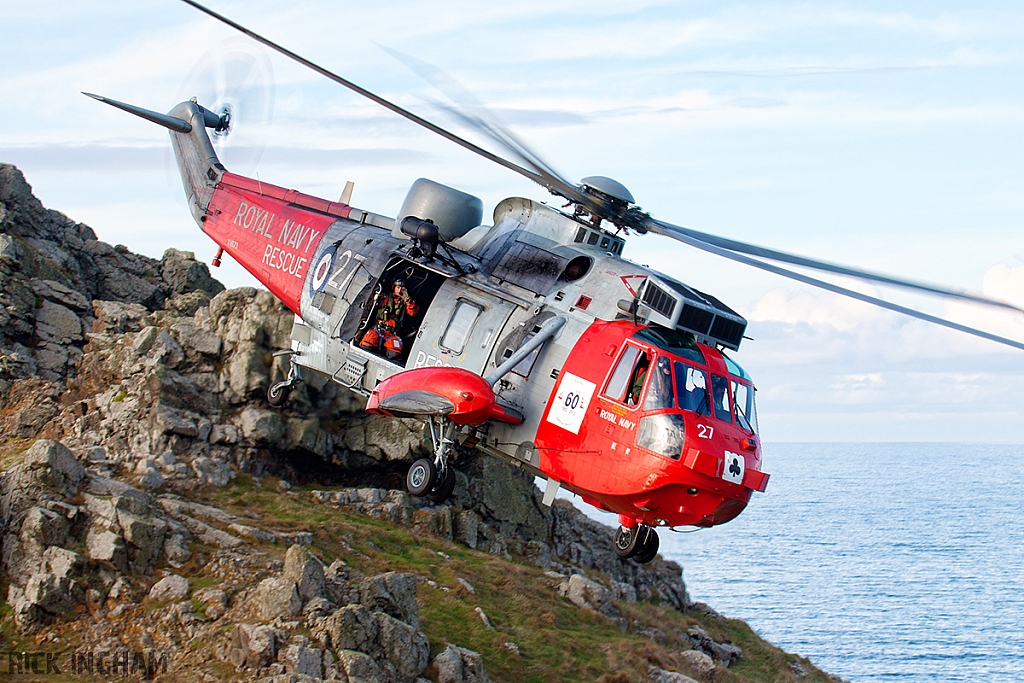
462, 396
169, 122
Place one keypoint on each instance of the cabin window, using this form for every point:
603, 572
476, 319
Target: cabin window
743, 400
663, 433
459, 327
692, 387
720, 398
660, 393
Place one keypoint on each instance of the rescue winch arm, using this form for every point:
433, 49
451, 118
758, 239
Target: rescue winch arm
547, 331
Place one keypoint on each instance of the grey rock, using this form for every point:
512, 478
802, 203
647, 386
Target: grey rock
59, 293
699, 662
172, 421
586, 593
117, 317
307, 571
467, 528
64, 564
316, 608
49, 471
657, 675
145, 536
252, 646
171, 588
104, 545
352, 627
262, 426
44, 591
224, 433
183, 273
215, 601
392, 593
57, 323
724, 653
623, 591
406, 648
300, 660
198, 339
151, 479
211, 471
308, 435
360, 668
176, 550
459, 665
277, 597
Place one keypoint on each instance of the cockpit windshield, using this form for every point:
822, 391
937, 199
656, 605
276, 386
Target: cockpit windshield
692, 388
743, 402
659, 392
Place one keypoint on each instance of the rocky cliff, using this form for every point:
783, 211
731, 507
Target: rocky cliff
151, 494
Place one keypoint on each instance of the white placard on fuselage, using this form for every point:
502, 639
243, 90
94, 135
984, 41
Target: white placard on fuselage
570, 403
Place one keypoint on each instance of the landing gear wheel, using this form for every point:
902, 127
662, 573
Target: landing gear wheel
444, 488
650, 547
627, 541
422, 477
278, 393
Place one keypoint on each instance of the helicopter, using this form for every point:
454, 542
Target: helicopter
529, 339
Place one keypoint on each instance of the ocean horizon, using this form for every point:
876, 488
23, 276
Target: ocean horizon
878, 561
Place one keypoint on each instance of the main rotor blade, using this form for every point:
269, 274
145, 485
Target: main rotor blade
535, 177
467, 108
778, 270
678, 232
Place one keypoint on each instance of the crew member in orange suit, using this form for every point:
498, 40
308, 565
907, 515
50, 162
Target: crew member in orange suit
391, 313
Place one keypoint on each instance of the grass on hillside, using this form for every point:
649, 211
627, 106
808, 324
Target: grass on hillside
556, 640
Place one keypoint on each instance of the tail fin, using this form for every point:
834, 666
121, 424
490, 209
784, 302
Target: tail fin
198, 163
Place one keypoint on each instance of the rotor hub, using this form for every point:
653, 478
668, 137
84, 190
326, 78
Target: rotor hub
602, 185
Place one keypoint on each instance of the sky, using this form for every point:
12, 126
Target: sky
881, 135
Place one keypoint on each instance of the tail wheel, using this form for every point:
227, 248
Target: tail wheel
422, 477
444, 488
278, 393
627, 541
650, 548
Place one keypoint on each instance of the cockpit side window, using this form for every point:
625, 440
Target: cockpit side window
720, 397
692, 388
660, 393
616, 388
639, 377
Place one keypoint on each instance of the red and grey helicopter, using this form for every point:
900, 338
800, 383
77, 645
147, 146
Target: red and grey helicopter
529, 339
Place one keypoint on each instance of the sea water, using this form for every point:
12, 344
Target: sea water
880, 562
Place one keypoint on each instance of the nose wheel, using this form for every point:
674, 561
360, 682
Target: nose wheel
434, 478
640, 543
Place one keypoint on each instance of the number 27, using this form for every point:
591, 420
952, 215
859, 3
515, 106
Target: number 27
705, 432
